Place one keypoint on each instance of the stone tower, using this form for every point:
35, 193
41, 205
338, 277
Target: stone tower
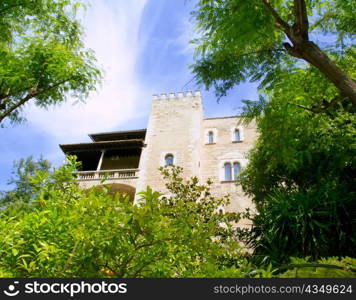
174, 129
177, 133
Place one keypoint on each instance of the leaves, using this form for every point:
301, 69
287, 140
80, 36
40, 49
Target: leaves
300, 179
91, 233
23, 191
42, 56
70, 232
264, 41
331, 267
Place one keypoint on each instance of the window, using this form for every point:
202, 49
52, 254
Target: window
236, 170
227, 168
237, 134
169, 159
211, 137
237, 137
230, 170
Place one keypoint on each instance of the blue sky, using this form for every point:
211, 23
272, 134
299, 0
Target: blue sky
143, 47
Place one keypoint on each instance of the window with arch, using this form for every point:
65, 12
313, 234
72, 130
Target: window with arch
237, 136
237, 169
169, 160
232, 171
227, 174
210, 137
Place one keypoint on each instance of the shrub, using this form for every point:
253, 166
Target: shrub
70, 232
330, 267
302, 224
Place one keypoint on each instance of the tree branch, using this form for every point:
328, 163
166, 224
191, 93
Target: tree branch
7, 96
283, 24
301, 19
33, 93
319, 109
292, 51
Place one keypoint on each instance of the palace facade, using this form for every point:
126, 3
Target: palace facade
177, 133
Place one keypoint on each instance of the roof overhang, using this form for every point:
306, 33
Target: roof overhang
118, 135
104, 145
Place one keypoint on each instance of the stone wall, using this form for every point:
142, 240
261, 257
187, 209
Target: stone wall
201, 146
174, 128
226, 150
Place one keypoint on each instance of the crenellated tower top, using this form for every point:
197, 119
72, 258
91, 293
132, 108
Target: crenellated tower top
176, 95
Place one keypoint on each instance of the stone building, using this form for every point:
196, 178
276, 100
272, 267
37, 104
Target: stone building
177, 133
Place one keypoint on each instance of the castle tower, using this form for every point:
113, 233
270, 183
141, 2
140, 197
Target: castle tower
177, 133
173, 136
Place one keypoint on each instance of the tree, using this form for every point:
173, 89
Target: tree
70, 232
268, 41
23, 189
300, 173
300, 178
42, 55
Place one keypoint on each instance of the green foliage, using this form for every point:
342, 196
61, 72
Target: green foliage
302, 224
42, 55
330, 267
70, 232
300, 177
300, 174
23, 189
245, 41
238, 42
196, 201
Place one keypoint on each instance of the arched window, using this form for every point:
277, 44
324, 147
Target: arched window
237, 137
237, 169
169, 159
227, 168
211, 137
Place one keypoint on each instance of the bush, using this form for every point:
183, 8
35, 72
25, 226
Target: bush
70, 232
302, 224
300, 178
330, 267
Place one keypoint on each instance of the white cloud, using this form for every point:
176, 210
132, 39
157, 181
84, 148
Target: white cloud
112, 31
186, 34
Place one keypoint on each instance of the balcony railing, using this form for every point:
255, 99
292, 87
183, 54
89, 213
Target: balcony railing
108, 174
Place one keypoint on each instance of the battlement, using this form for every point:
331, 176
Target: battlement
209, 149
176, 95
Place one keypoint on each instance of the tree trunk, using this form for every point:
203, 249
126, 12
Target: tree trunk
312, 54
303, 48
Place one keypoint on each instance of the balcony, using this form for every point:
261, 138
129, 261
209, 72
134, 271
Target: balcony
117, 175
